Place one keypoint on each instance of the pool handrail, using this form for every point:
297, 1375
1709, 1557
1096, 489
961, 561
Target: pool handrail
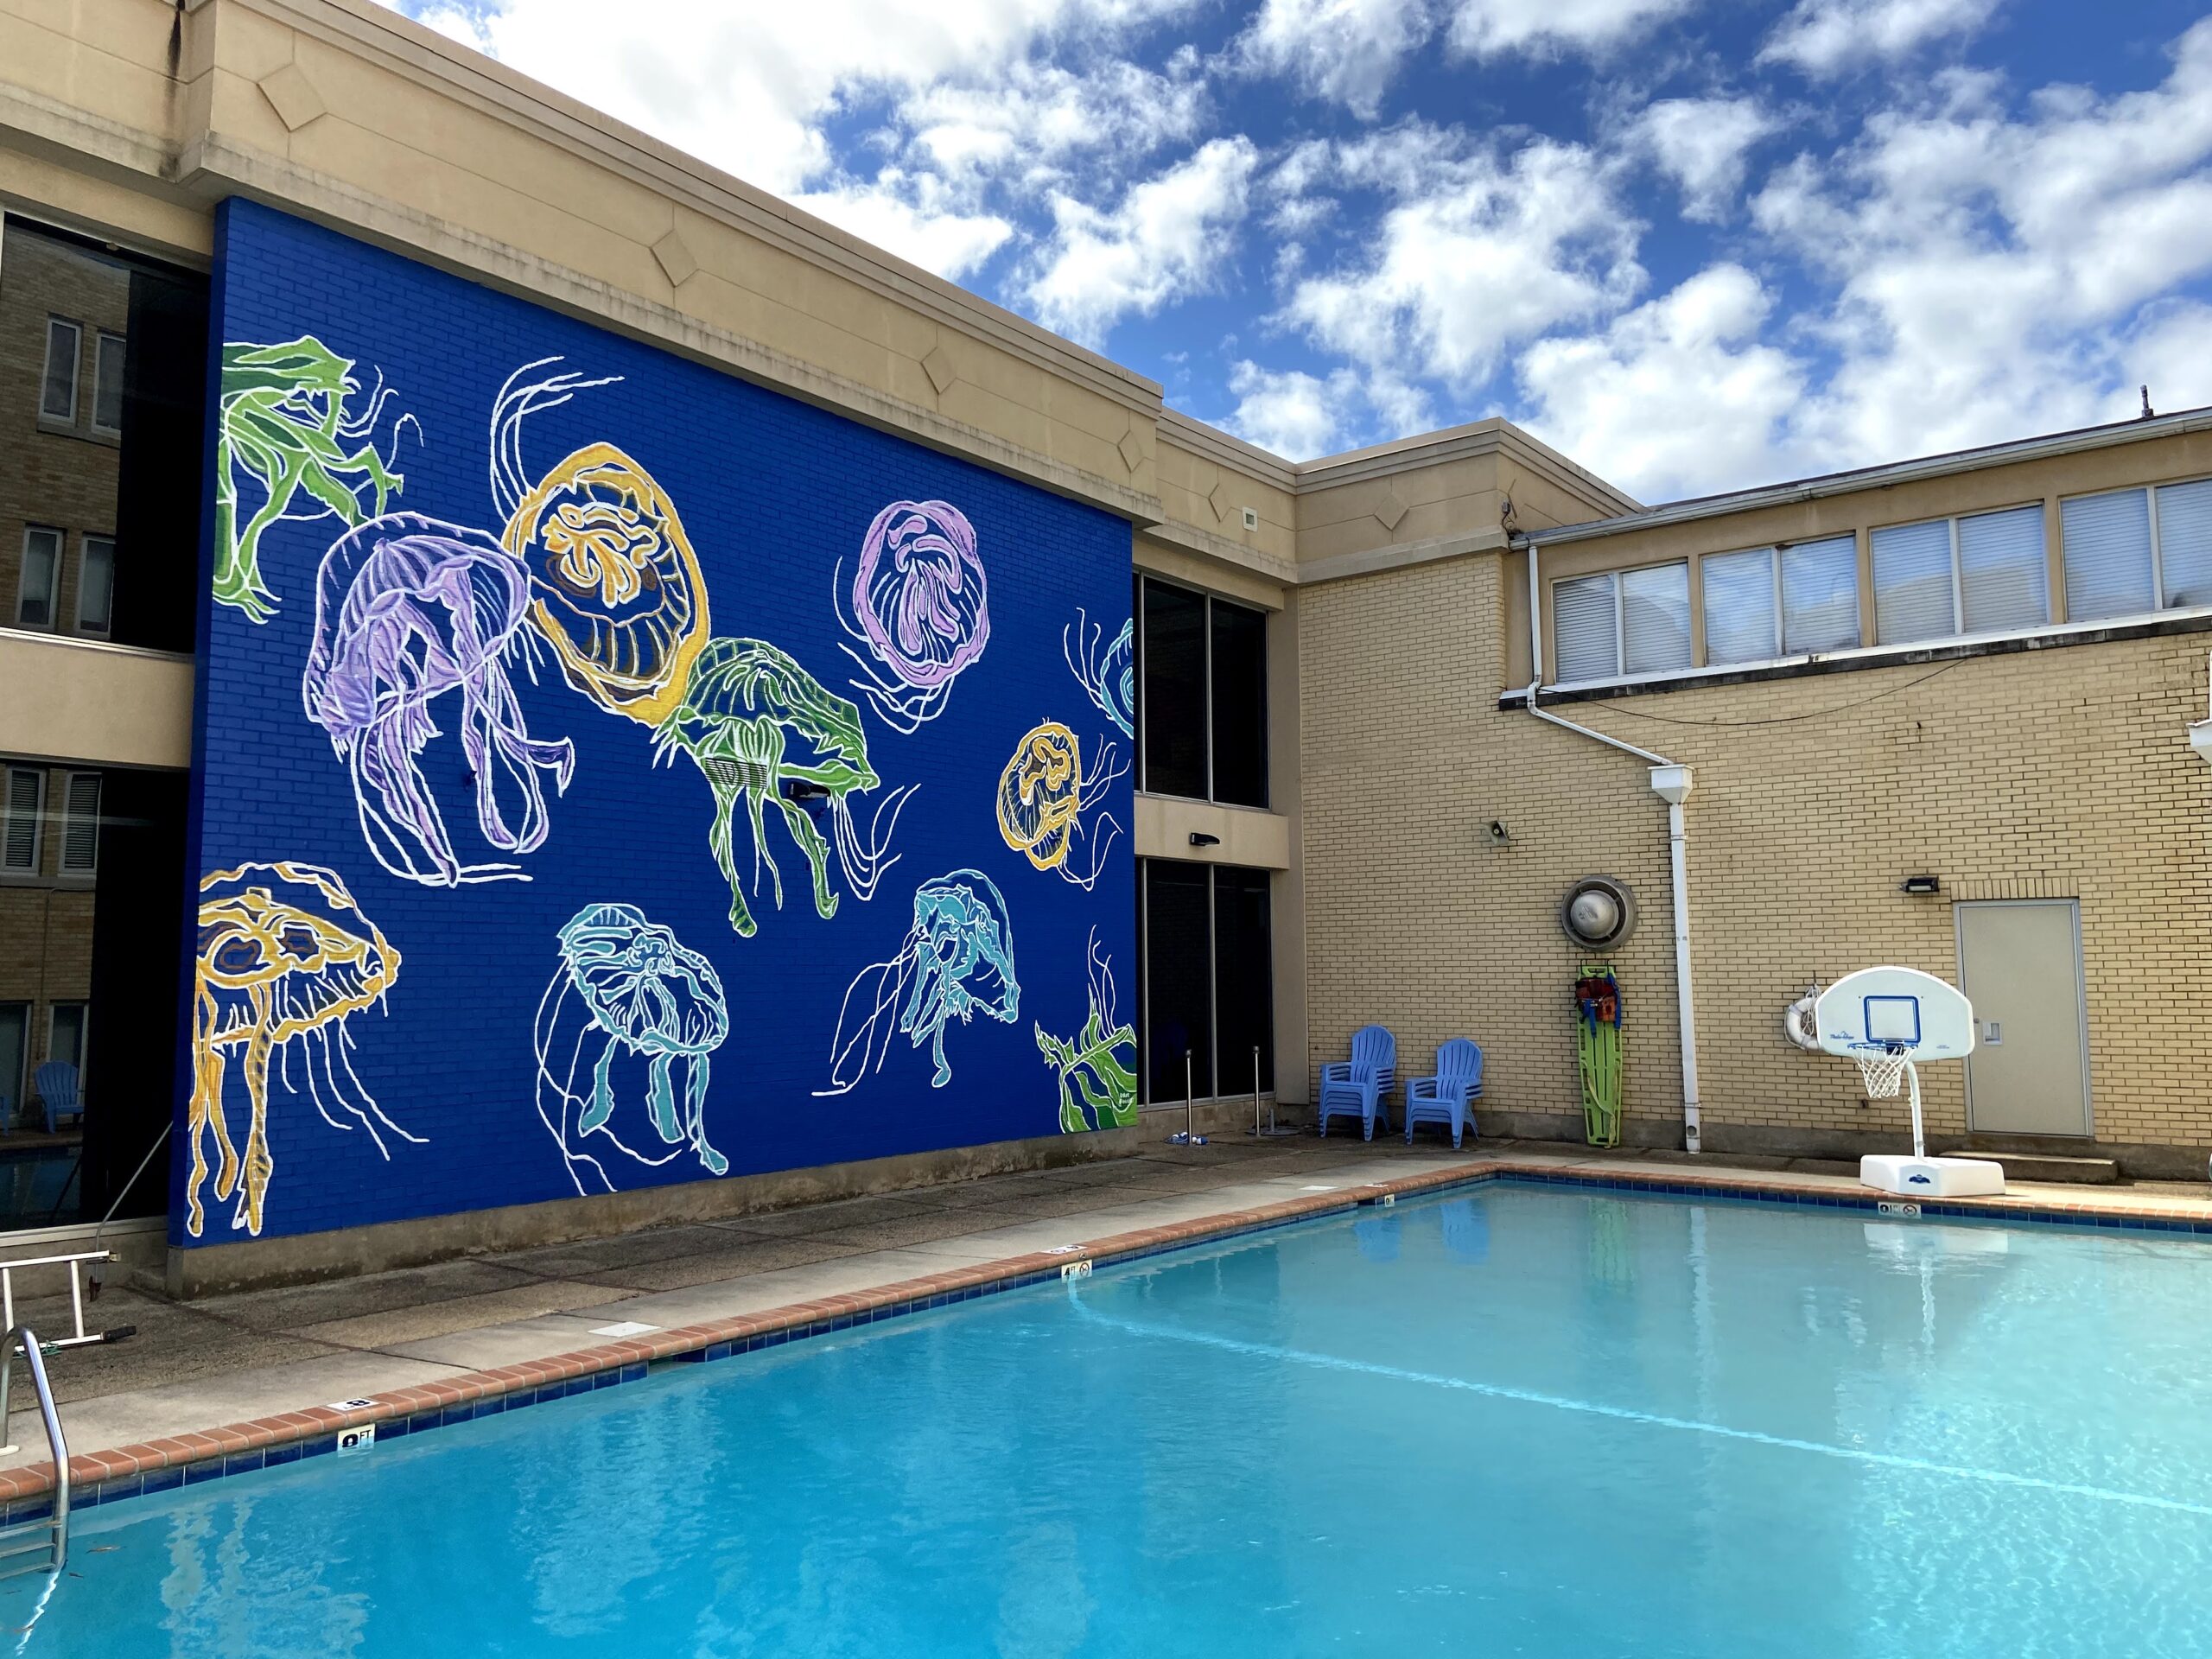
24, 1336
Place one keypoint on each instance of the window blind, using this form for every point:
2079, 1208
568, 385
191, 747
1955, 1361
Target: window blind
1820, 596
1912, 582
1739, 607
2105, 541
80, 824
19, 828
1655, 619
1584, 641
2185, 543
2004, 570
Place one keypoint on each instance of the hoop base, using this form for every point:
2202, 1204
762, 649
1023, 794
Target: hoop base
1931, 1177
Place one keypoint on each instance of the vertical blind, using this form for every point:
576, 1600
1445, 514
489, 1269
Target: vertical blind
1655, 619
1740, 620
80, 824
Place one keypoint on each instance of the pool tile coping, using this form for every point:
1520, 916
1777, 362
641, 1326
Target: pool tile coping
162, 1465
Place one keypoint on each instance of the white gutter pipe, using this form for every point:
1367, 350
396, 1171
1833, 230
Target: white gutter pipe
2200, 735
1671, 783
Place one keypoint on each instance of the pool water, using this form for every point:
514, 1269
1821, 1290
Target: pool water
1516, 1421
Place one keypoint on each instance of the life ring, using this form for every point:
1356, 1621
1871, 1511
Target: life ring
1799, 1026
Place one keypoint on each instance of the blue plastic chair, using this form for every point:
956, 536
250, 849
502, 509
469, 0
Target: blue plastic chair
1449, 1096
1358, 1087
57, 1092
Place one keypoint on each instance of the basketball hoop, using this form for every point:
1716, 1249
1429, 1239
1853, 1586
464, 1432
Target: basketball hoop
1881, 1068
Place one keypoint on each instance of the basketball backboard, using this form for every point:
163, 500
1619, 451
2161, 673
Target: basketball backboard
1901, 1010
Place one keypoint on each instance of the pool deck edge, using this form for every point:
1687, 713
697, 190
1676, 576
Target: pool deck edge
113, 1474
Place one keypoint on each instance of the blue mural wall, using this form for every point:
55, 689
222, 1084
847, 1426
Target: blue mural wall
613, 774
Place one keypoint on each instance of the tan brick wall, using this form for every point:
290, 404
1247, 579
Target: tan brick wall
2062, 773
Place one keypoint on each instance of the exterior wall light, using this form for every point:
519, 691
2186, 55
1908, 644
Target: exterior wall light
1498, 837
1920, 887
1598, 914
1199, 838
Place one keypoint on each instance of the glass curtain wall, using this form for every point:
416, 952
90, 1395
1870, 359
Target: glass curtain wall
1206, 1011
102, 377
1203, 673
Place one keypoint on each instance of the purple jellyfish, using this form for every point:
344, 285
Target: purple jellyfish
918, 606
408, 608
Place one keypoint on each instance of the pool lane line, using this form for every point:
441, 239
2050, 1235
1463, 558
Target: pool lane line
1591, 1407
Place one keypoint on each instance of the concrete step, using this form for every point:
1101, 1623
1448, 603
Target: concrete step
2048, 1166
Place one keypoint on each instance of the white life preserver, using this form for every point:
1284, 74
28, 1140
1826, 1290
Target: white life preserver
1799, 1026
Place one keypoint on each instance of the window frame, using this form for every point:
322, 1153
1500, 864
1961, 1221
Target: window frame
2150, 494
53, 580
1614, 574
36, 867
85, 545
1139, 657
46, 416
65, 818
102, 339
15, 1090
1957, 630
83, 1007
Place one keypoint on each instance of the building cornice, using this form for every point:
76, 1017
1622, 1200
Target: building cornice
409, 48
1211, 443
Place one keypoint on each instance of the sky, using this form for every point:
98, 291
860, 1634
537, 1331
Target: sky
1695, 244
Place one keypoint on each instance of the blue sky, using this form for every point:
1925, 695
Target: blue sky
1695, 244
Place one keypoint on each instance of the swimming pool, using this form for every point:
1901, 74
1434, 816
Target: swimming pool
1511, 1421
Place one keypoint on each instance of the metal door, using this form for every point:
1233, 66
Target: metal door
2020, 965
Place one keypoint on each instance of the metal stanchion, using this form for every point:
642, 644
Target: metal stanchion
1190, 1137
1271, 1132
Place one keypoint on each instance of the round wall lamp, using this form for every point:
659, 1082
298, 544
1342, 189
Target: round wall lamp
1597, 913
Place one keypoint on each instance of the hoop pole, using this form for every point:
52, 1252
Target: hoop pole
1919, 1141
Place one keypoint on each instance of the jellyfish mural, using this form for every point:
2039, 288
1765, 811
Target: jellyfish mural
1098, 1088
918, 611
1106, 670
956, 962
285, 958
626, 987
761, 728
615, 588
408, 608
282, 428
1042, 793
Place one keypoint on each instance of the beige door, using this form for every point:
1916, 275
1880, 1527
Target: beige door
2020, 965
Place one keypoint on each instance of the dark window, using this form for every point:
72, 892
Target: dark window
1207, 973
1174, 711
1239, 675
1179, 980
1243, 984
1203, 707
120, 480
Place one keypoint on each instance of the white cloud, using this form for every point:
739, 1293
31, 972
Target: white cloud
1166, 239
746, 88
2169, 352
1478, 252
1990, 271
1674, 397
1035, 120
1823, 37
1346, 51
1702, 143
909, 217
1296, 414
1482, 29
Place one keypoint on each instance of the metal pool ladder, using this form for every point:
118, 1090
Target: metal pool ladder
40, 1546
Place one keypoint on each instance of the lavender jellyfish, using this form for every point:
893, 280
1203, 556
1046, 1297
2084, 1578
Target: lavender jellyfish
408, 608
918, 607
1106, 670
955, 962
626, 987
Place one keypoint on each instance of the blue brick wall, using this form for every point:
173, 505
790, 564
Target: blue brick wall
773, 494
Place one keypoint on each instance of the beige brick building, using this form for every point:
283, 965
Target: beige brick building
1962, 675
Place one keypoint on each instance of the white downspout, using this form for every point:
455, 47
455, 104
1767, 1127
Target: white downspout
2200, 735
1671, 783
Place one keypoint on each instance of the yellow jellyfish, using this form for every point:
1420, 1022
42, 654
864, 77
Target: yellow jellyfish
615, 587
285, 958
1042, 794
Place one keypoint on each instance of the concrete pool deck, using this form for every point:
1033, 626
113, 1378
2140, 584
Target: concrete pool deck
238, 1378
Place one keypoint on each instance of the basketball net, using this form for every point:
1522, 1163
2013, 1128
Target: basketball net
1881, 1068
